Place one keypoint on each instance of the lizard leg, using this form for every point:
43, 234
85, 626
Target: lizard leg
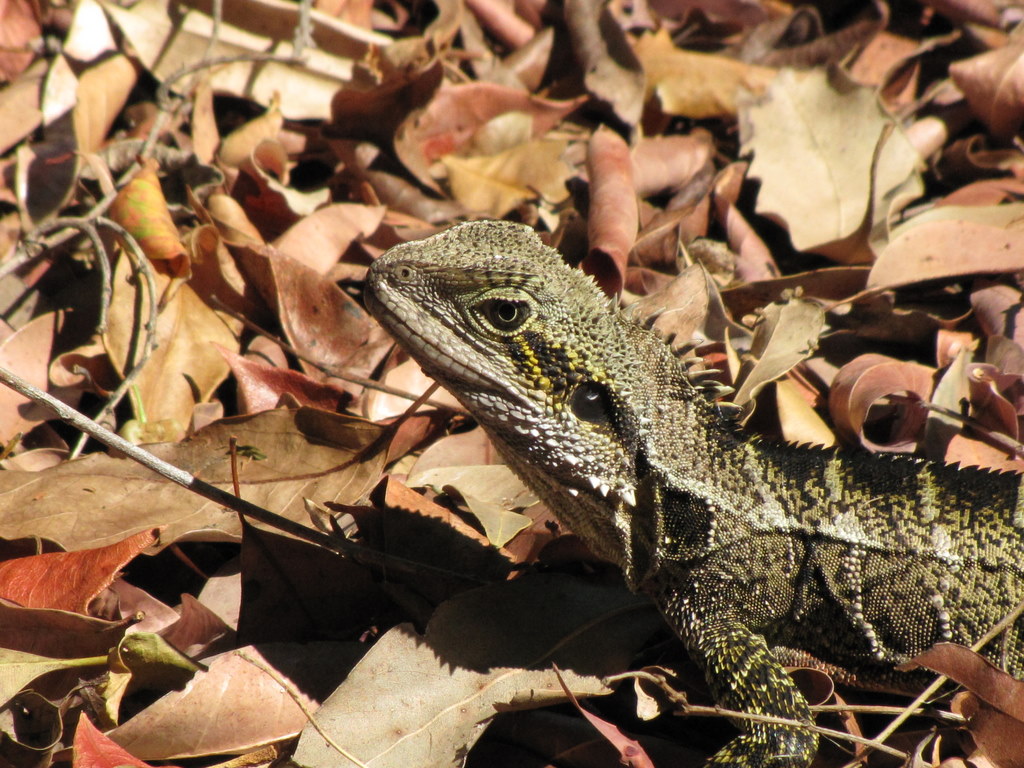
744, 676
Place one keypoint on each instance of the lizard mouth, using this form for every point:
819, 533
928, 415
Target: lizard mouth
400, 318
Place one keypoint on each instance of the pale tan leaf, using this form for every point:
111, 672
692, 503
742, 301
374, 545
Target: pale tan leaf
696, 85
787, 333
496, 184
856, 166
491, 491
167, 41
424, 700
186, 332
235, 706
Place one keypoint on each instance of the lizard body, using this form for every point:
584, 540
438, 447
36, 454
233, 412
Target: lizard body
756, 553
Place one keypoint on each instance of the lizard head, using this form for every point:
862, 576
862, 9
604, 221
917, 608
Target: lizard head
532, 348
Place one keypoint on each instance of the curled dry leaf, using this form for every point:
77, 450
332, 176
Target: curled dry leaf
667, 163
613, 219
754, 260
993, 83
863, 382
140, 207
242, 142
501, 21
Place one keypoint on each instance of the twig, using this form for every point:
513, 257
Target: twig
310, 716
360, 554
701, 711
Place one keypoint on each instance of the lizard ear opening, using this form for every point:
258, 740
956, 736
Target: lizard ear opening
590, 402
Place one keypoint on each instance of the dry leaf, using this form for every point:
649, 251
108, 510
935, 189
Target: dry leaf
423, 700
856, 170
696, 85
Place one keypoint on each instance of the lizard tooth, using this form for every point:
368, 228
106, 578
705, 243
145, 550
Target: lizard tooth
628, 496
604, 489
573, 491
595, 481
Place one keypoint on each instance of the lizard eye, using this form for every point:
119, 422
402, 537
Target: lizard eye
590, 402
505, 314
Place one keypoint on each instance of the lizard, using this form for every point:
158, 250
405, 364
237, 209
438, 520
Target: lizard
755, 552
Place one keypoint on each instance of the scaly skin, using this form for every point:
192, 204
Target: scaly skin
755, 553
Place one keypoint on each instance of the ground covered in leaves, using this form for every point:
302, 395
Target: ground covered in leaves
827, 197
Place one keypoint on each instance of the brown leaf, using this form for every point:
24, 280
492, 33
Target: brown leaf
238, 145
185, 360
696, 85
679, 307
103, 90
611, 70
27, 351
977, 674
858, 168
413, 696
308, 453
860, 384
496, 184
935, 250
457, 112
993, 83
21, 26
261, 386
786, 334
235, 706
668, 163
20, 105
629, 750
321, 238
68, 580
320, 320
613, 220
997, 736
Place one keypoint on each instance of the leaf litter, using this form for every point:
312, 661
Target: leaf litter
189, 199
